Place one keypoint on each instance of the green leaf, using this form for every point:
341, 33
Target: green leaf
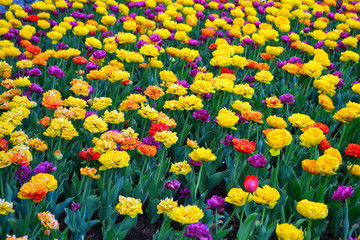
295, 189
247, 227
266, 232
86, 226
215, 179
221, 235
318, 227
14, 223
61, 206
354, 214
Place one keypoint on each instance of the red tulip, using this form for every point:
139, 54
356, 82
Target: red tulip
251, 183
244, 145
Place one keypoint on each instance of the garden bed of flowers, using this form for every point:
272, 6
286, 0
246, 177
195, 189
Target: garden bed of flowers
180, 119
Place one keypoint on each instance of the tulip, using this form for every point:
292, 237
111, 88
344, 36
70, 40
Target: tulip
251, 183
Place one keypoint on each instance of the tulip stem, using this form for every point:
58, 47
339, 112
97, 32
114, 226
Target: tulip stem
263, 214
163, 226
228, 220
216, 220
342, 135
308, 182
181, 236
143, 166
199, 178
346, 220
276, 172
144, 128
308, 232
347, 174
243, 210
248, 136
1, 184
322, 188
59, 146
236, 166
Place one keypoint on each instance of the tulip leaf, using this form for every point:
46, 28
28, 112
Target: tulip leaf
247, 227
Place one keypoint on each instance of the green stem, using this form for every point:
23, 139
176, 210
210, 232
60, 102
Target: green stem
322, 189
308, 232
346, 219
236, 166
277, 170
163, 226
347, 174
216, 220
249, 131
161, 162
1, 184
243, 210
182, 70
342, 135
143, 166
144, 128
226, 129
308, 182
59, 146
337, 133
263, 214
228, 220
198, 180
181, 236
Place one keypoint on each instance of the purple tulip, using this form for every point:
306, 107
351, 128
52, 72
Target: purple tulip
201, 115
98, 54
228, 140
281, 64
35, 72
75, 207
35, 88
91, 66
61, 46
155, 38
183, 83
184, 193
257, 161
44, 167
194, 163
241, 118
89, 113
56, 71
216, 203
250, 80
295, 60
139, 89
23, 174
207, 96
172, 184
151, 141
198, 230
287, 99
342, 193
331, 67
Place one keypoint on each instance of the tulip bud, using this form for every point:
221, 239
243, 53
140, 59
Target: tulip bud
251, 183
33, 104
58, 155
47, 232
75, 207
